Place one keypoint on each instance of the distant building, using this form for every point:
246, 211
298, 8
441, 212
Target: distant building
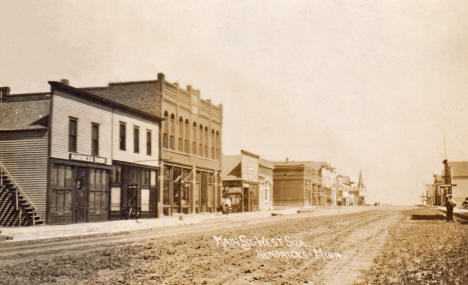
343, 186
455, 175
248, 182
429, 195
439, 191
304, 183
359, 192
328, 175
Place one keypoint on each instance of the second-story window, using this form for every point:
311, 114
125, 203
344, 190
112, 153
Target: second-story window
95, 139
72, 134
123, 136
136, 139
148, 142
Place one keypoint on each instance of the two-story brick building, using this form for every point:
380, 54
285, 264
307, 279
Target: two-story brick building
304, 183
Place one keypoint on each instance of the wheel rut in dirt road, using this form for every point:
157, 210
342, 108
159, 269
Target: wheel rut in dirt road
358, 250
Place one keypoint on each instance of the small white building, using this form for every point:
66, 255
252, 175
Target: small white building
248, 182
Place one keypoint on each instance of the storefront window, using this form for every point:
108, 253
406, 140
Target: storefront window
98, 185
185, 195
61, 177
116, 174
115, 199
153, 178
145, 200
167, 178
68, 177
92, 204
176, 192
211, 197
104, 181
61, 192
145, 177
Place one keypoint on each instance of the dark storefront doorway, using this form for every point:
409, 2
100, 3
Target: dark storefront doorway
246, 200
132, 208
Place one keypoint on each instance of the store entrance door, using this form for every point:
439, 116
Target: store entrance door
132, 201
80, 193
246, 201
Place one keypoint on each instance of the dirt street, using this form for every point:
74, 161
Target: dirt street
382, 245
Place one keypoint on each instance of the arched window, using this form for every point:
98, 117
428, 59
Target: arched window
187, 136
181, 134
194, 138
213, 143
206, 142
172, 132
218, 146
165, 130
200, 142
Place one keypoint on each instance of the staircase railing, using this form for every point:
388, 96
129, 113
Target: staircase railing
18, 189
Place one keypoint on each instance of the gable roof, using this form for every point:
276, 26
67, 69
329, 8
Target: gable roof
140, 95
24, 115
230, 165
101, 100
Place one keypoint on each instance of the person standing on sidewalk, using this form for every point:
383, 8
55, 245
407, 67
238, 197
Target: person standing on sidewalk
450, 204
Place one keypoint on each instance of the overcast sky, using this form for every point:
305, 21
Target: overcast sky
368, 85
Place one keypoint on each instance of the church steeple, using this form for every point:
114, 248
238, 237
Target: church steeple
360, 181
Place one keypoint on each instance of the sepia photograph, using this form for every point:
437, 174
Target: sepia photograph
234, 142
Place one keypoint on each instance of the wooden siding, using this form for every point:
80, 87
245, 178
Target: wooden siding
249, 165
65, 106
266, 177
460, 192
129, 155
24, 153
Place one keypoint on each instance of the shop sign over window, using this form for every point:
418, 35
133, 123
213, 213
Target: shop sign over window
87, 158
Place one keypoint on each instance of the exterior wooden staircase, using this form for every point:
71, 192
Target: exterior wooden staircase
16, 209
